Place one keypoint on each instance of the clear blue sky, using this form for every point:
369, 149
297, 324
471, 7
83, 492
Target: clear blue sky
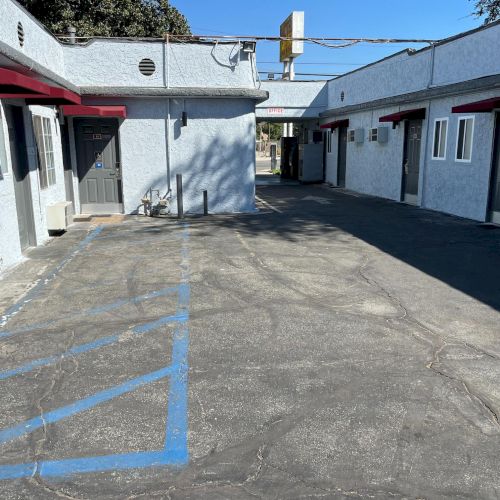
427, 19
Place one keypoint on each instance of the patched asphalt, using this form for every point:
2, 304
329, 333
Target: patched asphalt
338, 346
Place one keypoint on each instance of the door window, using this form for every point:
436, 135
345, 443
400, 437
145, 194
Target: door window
45, 147
464, 138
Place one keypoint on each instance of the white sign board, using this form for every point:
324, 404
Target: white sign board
293, 27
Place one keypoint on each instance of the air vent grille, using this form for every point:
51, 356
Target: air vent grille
20, 33
147, 67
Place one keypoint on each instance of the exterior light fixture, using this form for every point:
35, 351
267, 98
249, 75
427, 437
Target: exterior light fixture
249, 47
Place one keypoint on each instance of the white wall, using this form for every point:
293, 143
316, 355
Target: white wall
456, 187
10, 248
371, 167
39, 44
115, 63
51, 194
465, 58
215, 151
297, 99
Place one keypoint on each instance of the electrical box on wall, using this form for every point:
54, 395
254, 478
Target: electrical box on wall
382, 135
359, 135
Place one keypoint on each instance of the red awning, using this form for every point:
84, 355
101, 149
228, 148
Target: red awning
408, 114
57, 96
336, 124
485, 106
14, 83
104, 111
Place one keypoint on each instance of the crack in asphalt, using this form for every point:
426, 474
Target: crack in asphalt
442, 343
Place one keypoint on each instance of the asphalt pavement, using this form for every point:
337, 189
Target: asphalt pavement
330, 345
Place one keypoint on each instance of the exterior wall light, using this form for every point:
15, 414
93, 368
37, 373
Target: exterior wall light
249, 47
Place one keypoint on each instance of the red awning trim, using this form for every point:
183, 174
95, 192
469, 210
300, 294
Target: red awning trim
57, 96
408, 114
336, 124
104, 111
485, 106
12, 82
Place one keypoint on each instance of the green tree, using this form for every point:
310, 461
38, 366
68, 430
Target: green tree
121, 18
488, 8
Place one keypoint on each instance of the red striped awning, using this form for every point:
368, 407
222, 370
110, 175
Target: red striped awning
336, 124
103, 111
485, 106
408, 114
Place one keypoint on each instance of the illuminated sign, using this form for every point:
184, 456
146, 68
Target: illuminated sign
293, 27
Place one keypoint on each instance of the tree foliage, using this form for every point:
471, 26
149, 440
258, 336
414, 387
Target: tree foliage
121, 18
488, 8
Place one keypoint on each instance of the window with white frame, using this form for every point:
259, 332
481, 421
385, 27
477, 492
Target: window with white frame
329, 141
373, 134
351, 135
465, 134
3, 151
45, 147
440, 139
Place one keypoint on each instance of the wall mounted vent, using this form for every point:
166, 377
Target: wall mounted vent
147, 67
20, 33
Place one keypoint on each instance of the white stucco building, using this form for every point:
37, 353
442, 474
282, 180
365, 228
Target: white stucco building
102, 125
107, 123
419, 126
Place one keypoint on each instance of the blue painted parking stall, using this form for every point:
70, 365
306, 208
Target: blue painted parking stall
175, 449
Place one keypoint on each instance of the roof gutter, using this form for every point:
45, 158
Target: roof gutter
177, 92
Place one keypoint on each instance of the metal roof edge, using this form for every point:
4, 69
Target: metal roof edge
478, 84
210, 92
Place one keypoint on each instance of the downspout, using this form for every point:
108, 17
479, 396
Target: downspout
166, 83
429, 127
431, 70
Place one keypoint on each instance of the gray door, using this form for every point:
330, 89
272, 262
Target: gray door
99, 172
342, 157
20, 170
411, 160
494, 211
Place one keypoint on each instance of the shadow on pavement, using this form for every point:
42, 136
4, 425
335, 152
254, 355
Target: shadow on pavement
462, 253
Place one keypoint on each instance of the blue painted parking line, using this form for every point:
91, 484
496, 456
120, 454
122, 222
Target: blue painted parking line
175, 451
53, 416
85, 465
36, 290
94, 311
90, 346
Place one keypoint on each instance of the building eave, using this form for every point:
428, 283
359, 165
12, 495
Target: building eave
476, 85
177, 92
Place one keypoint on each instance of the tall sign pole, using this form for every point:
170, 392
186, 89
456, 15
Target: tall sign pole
290, 29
